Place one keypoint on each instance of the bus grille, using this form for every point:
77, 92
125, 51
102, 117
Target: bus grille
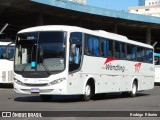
32, 85
3, 76
10, 76
7, 76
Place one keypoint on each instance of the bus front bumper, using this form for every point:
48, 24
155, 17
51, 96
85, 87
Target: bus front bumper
45, 90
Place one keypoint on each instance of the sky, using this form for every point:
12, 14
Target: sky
113, 4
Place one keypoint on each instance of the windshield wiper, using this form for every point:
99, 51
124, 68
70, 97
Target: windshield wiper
45, 67
24, 67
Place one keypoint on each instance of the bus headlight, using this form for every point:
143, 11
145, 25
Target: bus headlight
18, 82
57, 81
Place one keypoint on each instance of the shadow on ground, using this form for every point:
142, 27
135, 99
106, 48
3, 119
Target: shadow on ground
6, 86
65, 99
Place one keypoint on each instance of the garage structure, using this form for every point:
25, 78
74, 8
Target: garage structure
20, 14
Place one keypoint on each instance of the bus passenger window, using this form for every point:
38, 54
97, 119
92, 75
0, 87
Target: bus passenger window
133, 53
149, 56
104, 47
122, 50
129, 52
75, 51
117, 50
72, 52
110, 46
143, 55
139, 54
89, 46
96, 46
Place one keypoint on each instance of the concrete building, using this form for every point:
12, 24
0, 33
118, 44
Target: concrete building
151, 2
148, 2
147, 7
20, 14
79, 1
141, 2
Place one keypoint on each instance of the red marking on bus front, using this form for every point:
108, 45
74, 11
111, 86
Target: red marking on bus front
109, 60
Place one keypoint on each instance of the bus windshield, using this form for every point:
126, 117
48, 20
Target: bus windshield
6, 54
40, 51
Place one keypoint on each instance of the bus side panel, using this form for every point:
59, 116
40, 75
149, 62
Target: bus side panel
125, 83
75, 83
116, 80
105, 81
146, 77
157, 74
6, 71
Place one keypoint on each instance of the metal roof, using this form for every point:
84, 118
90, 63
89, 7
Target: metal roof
28, 13
99, 11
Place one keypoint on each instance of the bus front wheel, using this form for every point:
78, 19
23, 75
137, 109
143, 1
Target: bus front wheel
87, 93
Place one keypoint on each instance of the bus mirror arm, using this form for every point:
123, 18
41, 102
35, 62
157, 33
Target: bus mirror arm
154, 44
3, 28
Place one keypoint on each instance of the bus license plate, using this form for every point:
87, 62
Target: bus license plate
35, 90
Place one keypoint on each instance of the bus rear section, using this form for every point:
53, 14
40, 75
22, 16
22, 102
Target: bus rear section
157, 68
6, 62
113, 63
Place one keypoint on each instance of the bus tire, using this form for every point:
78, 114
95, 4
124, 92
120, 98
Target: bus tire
134, 89
87, 93
46, 97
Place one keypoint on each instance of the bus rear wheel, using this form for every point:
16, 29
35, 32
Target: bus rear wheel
46, 97
133, 92
134, 89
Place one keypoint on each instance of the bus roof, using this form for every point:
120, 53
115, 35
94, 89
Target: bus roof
5, 43
84, 30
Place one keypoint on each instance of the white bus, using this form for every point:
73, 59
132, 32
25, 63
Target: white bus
69, 60
157, 67
6, 62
